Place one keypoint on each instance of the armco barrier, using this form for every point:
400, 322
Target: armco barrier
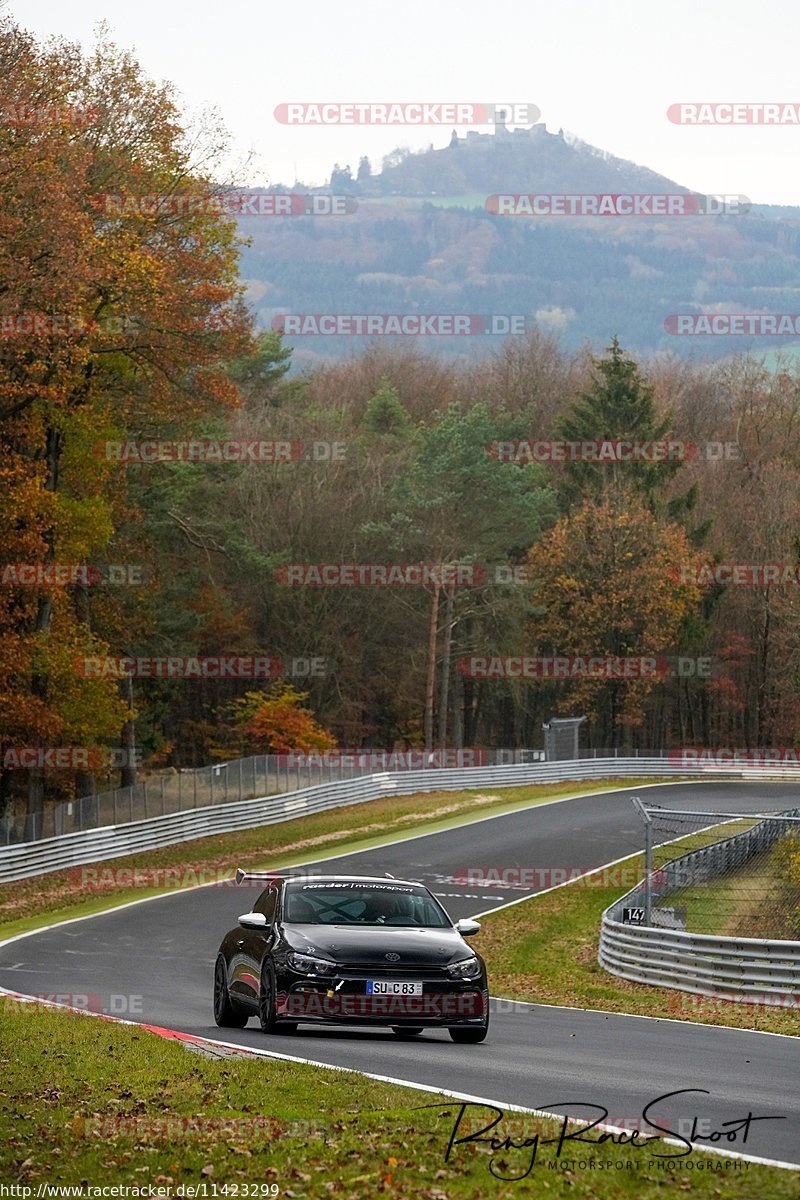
23, 860
760, 970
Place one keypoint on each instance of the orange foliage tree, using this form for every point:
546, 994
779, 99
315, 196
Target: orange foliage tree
608, 580
276, 721
116, 323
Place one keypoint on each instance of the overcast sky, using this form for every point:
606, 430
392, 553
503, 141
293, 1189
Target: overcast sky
605, 70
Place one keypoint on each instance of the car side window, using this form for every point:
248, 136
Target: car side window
266, 904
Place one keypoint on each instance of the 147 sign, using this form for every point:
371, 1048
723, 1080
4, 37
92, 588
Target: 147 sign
633, 916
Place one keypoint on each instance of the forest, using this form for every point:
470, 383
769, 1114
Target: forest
208, 553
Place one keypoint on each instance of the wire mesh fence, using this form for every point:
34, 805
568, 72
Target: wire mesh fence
728, 875
179, 790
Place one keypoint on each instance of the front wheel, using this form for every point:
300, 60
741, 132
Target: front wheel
266, 999
226, 1015
470, 1034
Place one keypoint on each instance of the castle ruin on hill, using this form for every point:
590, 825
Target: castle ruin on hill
473, 140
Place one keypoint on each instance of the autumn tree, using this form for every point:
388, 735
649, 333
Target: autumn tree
609, 582
120, 319
275, 721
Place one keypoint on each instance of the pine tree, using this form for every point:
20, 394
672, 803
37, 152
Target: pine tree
385, 413
619, 405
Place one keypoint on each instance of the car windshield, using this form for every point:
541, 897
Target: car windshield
363, 904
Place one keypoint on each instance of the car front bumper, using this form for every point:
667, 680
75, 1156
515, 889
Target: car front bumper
343, 1000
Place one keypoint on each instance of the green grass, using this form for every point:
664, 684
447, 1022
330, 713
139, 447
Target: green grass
104, 1104
545, 950
758, 900
708, 905
83, 1102
29, 903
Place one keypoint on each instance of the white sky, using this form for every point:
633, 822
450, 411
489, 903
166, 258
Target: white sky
605, 70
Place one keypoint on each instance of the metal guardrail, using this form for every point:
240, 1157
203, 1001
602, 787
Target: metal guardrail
26, 859
756, 970
179, 790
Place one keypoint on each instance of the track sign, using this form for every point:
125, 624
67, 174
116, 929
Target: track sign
633, 916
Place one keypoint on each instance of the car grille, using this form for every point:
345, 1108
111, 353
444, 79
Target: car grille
410, 970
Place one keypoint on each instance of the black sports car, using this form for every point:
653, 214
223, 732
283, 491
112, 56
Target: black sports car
343, 949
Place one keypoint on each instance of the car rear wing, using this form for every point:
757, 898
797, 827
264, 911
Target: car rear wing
262, 877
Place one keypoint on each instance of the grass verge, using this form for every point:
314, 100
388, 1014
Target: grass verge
544, 950
29, 903
756, 900
89, 1104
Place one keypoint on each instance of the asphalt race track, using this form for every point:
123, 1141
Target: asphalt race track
160, 955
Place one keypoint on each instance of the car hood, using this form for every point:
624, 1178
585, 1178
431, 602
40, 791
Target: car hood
348, 944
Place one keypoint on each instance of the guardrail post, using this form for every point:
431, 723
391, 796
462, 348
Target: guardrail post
163, 801
648, 869
648, 857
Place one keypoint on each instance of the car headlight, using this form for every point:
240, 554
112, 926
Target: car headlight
310, 965
467, 968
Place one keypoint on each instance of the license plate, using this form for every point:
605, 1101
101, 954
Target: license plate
394, 987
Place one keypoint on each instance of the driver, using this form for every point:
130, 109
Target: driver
381, 908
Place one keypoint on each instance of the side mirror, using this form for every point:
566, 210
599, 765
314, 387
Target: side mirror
467, 927
253, 920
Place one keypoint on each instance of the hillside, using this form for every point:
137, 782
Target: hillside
421, 241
